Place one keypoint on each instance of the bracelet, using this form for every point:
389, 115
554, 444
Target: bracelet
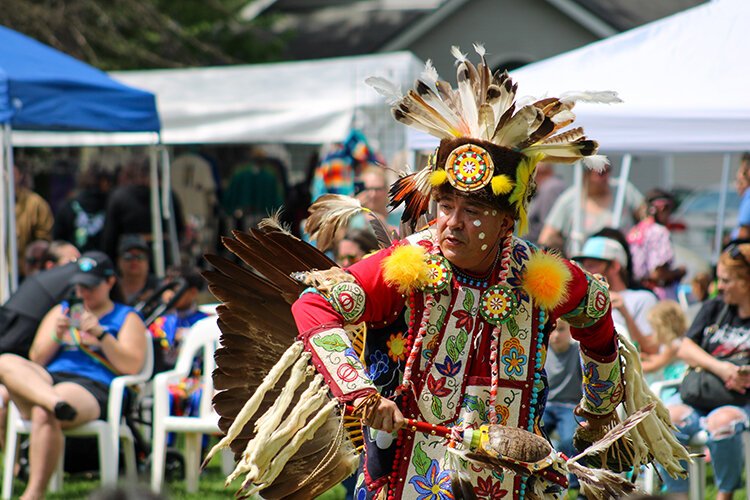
101, 335
54, 336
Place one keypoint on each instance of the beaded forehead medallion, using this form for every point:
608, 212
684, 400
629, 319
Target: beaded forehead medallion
469, 168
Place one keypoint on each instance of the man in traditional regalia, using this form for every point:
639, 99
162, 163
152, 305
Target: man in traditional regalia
423, 345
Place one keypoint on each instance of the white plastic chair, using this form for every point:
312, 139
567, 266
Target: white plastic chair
109, 433
204, 335
697, 444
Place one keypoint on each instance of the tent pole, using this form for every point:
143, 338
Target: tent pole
11, 199
168, 205
576, 234
718, 236
622, 184
4, 216
156, 220
668, 166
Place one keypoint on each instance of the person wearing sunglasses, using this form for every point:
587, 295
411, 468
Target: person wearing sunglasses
356, 244
718, 342
134, 269
79, 348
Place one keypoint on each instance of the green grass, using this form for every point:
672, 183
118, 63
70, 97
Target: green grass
211, 485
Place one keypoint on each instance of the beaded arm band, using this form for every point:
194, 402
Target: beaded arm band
594, 305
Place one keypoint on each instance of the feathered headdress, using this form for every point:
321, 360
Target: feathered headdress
488, 147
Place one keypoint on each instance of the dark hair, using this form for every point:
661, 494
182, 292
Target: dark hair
616, 234
116, 294
37, 254
659, 194
91, 178
364, 238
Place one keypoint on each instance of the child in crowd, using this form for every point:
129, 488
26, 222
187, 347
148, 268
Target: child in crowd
669, 324
565, 381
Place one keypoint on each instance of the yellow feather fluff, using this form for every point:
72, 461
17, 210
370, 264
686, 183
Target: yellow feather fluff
406, 268
501, 184
546, 279
519, 196
438, 177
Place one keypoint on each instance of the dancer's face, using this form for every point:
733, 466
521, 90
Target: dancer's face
469, 233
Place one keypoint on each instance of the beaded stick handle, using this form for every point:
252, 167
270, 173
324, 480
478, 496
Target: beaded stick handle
470, 436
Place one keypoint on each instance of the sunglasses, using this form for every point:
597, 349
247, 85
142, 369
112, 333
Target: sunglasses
133, 256
736, 254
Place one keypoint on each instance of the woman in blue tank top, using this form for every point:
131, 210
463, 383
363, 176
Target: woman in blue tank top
77, 351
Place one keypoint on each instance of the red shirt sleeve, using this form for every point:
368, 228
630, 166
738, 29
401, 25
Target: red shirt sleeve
383, 302
597, 339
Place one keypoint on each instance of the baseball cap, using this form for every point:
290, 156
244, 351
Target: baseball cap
93, 268
602, 248
131, 241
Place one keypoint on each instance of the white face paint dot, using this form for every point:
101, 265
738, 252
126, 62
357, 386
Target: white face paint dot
477, 222
484, 247
486, 212
494, 213
481, 236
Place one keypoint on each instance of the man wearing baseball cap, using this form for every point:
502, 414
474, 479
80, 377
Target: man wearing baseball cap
609, 257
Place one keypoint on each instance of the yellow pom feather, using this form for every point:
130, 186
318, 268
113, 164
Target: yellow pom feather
501, 184
406, 268
438, 177
546, 279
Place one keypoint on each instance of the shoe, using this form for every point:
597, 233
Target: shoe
65, 412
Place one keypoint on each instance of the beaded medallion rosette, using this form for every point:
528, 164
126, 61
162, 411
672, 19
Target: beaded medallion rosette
499, 304
439, 274
469, 168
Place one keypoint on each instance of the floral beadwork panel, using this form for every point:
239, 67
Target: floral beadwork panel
340, 360
517, 337
443, 379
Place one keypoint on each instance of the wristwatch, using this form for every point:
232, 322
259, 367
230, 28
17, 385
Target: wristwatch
101, 335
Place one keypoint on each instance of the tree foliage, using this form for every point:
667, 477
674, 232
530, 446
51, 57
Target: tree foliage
137, 34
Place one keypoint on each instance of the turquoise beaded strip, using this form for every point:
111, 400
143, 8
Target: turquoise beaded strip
535, 388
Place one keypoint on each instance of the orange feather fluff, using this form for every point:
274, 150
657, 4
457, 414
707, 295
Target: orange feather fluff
546, 279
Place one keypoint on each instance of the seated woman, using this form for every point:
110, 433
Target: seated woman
718, 342
73, 359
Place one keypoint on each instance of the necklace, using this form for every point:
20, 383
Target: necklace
430, 302
475, 281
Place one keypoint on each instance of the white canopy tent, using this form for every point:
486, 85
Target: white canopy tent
307, 102
683, 80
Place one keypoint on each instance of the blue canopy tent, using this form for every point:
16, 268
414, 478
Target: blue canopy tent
44, 89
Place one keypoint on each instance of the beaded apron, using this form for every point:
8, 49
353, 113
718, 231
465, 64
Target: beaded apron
414, 465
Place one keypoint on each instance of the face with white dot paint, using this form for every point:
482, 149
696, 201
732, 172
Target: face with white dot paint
468, 233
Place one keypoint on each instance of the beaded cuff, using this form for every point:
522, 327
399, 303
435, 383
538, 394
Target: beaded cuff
602, 384
336, 360
594, 305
